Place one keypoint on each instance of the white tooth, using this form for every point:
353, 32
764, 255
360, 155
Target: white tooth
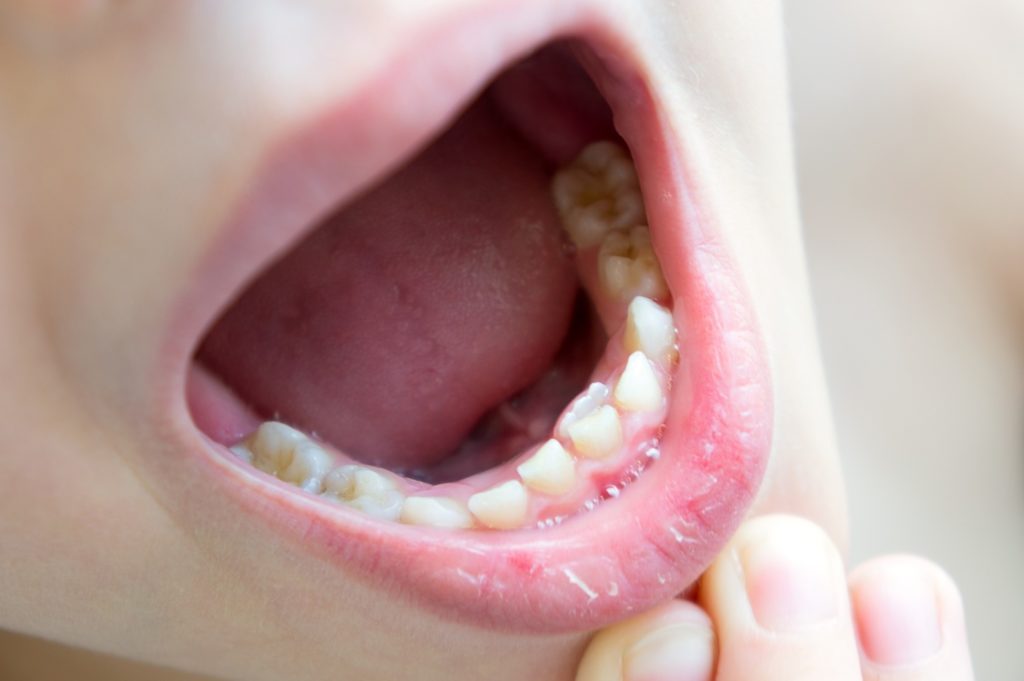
598, 192
550, 470
386, 505
638, 388
369, 482
650, 329
628, 267
502, 507
339, 482
272, 445
308, 465
435, 512
242, 452
597, 435
594, 397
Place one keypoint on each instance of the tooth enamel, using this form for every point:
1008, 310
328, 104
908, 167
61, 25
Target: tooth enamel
365, 489
386, 505
650, 329
242, 452
439, 512
598, 192
628, 267
595, 395
550, 470
308, 465
339, 482
638, 388
272, 445
502, 507
597, 435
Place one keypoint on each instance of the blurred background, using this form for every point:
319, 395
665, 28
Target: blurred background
909, 127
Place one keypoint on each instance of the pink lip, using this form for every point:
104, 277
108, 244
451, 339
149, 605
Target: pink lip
630, 553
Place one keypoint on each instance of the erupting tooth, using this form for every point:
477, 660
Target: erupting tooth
436, 512
272, 446
308, 465
628, 267
242, 452
638, 388
550, 470
597, 435
597, 193
651, 330
502, 507
594, 397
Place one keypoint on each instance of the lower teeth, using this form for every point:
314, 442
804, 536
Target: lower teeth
592, 433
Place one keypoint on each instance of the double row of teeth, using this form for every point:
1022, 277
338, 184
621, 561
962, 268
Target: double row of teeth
600, 201
591, 428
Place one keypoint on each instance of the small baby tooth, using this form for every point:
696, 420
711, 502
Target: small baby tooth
339, 482
628, 267
309, 464
550, 470
242, 452
369, 482
650, 329
638, 388
595, 395
502, 507
386, 505
435, 512
272, 445
597, 435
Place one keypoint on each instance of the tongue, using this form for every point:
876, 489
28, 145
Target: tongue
406, 317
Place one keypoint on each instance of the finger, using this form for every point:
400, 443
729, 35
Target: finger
778, 598
910, 621
673, 642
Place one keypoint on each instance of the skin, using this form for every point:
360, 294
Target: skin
128, 135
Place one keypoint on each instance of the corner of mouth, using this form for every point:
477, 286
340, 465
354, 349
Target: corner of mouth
703, 454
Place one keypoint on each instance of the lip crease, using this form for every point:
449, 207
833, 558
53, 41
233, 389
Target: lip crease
630, 553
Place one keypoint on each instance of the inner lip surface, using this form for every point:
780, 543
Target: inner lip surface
567, 578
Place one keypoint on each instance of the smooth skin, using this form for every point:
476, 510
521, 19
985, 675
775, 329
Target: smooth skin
128, 132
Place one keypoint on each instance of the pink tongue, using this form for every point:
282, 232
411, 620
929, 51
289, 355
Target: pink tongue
411, 313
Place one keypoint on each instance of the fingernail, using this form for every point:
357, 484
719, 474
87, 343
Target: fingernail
677, 652
897, 615
790, 578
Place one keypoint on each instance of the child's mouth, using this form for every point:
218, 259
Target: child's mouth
519, 374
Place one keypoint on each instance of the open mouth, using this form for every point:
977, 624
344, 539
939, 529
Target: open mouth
515, 374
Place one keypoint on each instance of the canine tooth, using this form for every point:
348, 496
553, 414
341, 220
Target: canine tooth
308, 465
550, 470
502, 507
597, 435
440, 512
650, 329
638, 388
272, 445
598, 192
387, 505
595, 395
628, 267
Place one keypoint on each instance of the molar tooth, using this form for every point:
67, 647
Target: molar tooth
440, 512
650, 329
272, 445
595, 395
550, 470
638, 388
502, 507
597, 435
308, 465
339, 482
386, 505
628, 267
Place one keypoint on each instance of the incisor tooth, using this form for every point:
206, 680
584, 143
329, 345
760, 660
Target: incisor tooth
597, 435
502, 507
308, 465
638, 388
628, 267
595, 395
650, 329
435, 512
550, 470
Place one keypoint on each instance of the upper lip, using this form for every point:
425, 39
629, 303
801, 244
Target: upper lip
627, 555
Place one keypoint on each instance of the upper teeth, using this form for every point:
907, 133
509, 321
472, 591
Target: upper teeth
597, 193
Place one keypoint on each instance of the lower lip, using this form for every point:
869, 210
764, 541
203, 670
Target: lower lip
630, 553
